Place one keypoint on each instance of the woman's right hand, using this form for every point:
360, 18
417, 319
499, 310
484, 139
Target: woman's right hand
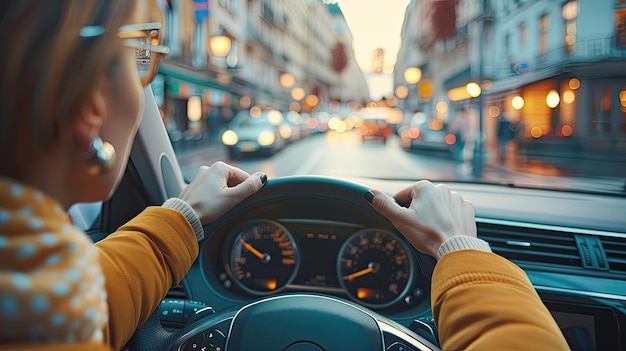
218, 188
433, 214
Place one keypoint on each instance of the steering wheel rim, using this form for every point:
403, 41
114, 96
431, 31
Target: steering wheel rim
350, 321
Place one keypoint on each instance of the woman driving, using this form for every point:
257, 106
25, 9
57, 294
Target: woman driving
71, 80
71, 100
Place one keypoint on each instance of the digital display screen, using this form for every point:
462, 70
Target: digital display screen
319, 246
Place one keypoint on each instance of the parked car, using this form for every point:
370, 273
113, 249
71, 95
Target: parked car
422, 133
255, 131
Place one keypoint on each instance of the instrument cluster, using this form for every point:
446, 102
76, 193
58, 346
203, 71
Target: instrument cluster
374, 267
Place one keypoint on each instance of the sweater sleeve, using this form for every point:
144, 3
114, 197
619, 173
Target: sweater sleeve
141, 261
482, 301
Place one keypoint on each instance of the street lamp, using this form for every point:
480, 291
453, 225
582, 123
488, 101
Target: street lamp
474, 91
219, 45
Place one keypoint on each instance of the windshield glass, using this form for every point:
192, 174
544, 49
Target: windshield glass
523, 93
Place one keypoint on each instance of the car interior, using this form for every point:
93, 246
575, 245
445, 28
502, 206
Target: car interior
316, 231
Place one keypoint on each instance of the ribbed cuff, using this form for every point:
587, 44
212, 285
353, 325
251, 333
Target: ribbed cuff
462, 242
191, 215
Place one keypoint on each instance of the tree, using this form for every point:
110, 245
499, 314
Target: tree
339, 57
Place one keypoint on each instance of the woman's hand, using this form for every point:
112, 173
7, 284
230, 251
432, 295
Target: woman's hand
218, 188
434, 214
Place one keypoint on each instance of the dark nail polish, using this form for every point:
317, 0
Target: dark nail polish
369, 196
263, 177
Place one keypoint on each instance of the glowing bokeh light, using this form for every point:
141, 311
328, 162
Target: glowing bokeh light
553, 99
517, 102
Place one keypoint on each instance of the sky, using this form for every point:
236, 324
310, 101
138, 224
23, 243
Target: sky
375, 24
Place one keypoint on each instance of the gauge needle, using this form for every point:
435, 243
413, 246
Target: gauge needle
359, 273
261, 256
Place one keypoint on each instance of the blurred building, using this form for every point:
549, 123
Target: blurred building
560, 70
554, 67
276, 46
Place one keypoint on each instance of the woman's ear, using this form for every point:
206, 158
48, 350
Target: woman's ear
87, 123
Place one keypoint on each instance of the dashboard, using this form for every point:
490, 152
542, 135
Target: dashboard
372, 266
314, 236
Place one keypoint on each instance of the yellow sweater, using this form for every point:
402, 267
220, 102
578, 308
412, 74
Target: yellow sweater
482, 301
140, 262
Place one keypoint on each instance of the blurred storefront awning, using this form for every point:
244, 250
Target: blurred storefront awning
216, 80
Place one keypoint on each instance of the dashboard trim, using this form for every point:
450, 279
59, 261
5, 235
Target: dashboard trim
550, 227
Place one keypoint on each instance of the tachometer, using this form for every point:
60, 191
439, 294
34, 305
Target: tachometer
263, 257
375, 268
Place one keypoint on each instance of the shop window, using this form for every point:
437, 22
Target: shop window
569, 12
620, 27
523, 32
567, 110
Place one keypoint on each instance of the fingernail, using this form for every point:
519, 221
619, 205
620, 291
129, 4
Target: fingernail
263, 177
369, 196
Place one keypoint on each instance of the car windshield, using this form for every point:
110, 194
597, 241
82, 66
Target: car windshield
522, 93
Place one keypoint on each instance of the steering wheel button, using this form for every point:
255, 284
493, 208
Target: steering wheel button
216, 339
197, 343
398, 346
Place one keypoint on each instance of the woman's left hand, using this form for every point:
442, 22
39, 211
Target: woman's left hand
218, 188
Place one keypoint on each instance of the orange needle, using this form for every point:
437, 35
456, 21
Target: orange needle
359, 273
254, 251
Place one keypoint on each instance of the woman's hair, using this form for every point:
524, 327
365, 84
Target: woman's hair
48, 70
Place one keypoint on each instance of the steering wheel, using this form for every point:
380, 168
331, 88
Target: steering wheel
293, 321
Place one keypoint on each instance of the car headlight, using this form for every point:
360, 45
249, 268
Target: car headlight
285, 132
230, 137
266, 138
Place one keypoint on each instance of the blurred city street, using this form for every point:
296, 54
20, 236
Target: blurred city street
344, 154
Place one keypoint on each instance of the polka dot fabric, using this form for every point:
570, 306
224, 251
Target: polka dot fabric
51, 284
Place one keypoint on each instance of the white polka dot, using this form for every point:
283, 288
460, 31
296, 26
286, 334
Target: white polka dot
21, 281
35, 223
72, 246
68, 227
72, 274
16, 190
26, 211
52, 259
4, 216
39, 303
26, 251
9, 306
48, 239
98, 335
3, 241
60, 288
57, 319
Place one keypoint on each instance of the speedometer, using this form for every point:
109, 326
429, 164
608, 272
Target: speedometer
375, 268
263, 257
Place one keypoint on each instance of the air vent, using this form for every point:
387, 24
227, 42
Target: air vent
615, 249
531, 245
